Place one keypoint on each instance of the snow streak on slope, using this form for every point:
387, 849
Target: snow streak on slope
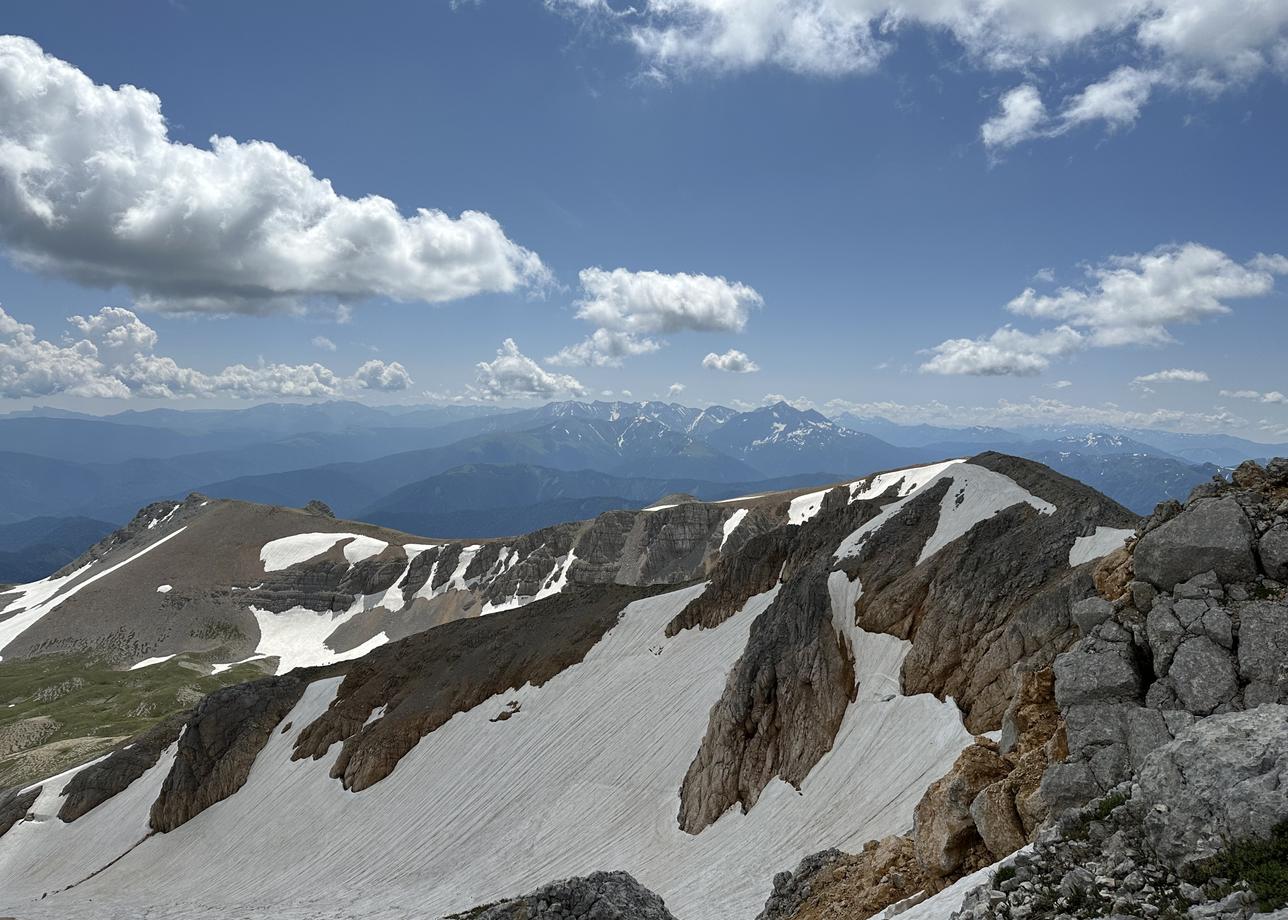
730, 525
976, 494
585, 776
804, 507
914, 478
1101, 543
44, 595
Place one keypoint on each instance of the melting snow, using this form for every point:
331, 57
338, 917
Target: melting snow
298, 637
149, 662
586, 775
731, 524
804, 507
1101, 543
44, 595
288, 551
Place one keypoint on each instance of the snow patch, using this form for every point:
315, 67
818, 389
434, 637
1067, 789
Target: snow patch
731, 524
298, 637
149, 662
164, 589
804, 507
1101, 543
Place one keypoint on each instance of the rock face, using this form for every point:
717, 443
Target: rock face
420, 682
225, 734
98, 782
14, 806
1202, 631
1221, 779
945, 830
600, 896
884, 872
1210, 535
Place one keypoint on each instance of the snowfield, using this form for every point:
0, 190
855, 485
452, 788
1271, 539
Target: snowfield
586, 776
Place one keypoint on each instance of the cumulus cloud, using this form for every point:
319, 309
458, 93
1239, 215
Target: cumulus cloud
377, 375
603, 348
321, 341
113, 359
732, 361
1271, 396
1008, 351
513, 375
629, 307
92, 188
1128, 300
1173, 375
675, 390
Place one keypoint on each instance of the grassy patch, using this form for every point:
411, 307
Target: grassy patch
1262, 864
1108, 804
94, 703
1003, 874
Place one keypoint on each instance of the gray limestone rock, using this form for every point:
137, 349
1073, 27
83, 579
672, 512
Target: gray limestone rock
1203, 676
1221, 779
1208, 535
1263, 652
1273, 550
600, 896
1090, 612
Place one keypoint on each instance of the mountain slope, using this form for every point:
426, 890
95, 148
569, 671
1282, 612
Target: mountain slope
502, 751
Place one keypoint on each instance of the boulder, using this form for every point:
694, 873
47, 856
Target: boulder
1212, 534
1263, 639
944, 828
1273, 549
1203, 676
997, 821
1090, 612
1223, 778
600, 896
1101, 668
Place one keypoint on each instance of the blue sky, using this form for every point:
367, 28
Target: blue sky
845, 195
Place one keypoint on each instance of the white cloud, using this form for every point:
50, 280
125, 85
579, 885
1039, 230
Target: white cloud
1021, 118
1129, 300
628, 307
377, 375
652, 302
1132, 299
1062, 384
114, 359
603, 348
1116, 100
732, 361
1007, 351
115, 329
1222, 39
93, 189
513, 375
1271, 396
1173, 375
321, 341
675, 390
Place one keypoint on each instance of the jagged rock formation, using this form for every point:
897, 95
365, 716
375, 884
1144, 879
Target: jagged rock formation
14, 804
419, 683
105, 778
219, 746
600, 896
1200, 630
857, 884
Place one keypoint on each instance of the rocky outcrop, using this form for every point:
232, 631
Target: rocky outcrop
14, 806
1223, 778
103, 779
420, 682
737, 579
220, 743
853, 885
945, 832
1210, 535
600, 896
785, 698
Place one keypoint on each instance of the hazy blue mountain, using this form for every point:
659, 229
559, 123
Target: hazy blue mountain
781, 439
926, 435
37, 547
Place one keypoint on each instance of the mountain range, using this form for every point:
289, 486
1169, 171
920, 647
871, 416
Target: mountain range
384, 463
868, 698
